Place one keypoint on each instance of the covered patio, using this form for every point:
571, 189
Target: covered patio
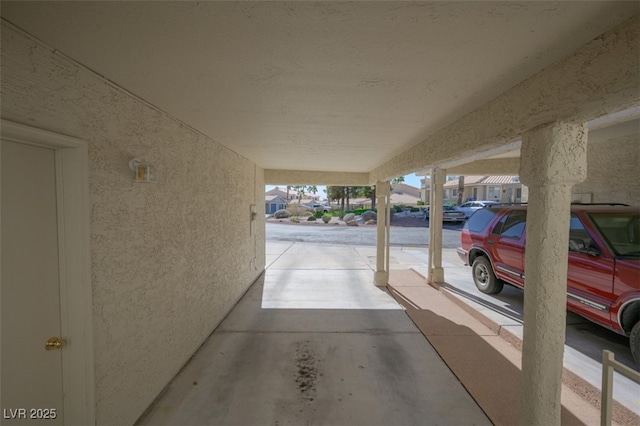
161, 122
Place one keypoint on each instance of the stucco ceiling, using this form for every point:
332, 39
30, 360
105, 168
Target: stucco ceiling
331, 86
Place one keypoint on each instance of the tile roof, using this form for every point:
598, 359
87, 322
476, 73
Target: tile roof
275, 197
483, 180
501, 180
403, 188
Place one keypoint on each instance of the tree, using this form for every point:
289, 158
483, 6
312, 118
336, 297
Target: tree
370, 192
336, 193
301, 192
399, 179
346, 192
312, 189
460, 189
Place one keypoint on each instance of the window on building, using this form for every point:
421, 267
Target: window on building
493, 192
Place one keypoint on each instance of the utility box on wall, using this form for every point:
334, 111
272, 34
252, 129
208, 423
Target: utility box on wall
252, 219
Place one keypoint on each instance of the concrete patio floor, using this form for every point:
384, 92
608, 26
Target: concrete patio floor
319, 346
315, 342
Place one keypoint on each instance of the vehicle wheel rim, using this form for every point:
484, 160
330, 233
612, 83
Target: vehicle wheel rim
482, 275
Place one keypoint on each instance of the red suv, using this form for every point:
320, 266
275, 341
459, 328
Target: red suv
603, 278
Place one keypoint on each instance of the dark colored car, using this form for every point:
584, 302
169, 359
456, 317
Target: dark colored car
603, 277
450, 214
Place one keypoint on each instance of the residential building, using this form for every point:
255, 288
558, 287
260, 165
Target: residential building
274, 203
292, 195
402, 194
505, 189
425, 187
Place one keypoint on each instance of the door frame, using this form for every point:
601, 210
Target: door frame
76, 303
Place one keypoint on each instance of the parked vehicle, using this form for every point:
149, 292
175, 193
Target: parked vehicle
322, 207
449, 214
603, 278
470, 207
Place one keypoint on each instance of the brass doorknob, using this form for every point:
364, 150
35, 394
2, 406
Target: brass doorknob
54, 343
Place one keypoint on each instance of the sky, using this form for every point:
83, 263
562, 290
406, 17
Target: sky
411, 179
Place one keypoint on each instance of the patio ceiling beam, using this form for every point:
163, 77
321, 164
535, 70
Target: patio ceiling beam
305, 177
601, 77
493, 167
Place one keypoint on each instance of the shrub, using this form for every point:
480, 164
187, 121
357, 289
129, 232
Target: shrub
398, 209
295, 219
318, 214
420, 203
326, 218
311, 219
414, 209
298, 210
281, 214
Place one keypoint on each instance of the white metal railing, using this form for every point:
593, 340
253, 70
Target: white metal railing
609, 364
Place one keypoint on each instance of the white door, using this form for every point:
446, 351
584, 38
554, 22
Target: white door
30, 293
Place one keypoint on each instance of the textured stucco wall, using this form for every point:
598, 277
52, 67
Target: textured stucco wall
613, 174
170, 259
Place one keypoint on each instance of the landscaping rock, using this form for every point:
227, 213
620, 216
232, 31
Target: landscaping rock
369, 215
349, 217
371, 222
281, 214
352, 223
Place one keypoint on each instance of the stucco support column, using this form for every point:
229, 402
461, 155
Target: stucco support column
436, 272
432, 197
381, 275
553, 159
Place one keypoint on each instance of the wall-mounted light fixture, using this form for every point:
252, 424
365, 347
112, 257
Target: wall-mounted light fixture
144, 172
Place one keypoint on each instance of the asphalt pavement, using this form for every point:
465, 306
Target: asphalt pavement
363, 235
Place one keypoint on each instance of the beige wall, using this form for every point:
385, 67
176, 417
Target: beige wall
169, 259
613, 174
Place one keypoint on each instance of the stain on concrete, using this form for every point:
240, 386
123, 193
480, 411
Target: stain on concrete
307, 370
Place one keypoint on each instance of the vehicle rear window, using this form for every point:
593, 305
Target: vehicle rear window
512, 225
620, 230
479, 220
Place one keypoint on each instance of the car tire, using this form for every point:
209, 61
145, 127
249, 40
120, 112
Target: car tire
634, 342
484, 278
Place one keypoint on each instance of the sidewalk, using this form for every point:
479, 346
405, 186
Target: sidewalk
487, 365
501, 317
